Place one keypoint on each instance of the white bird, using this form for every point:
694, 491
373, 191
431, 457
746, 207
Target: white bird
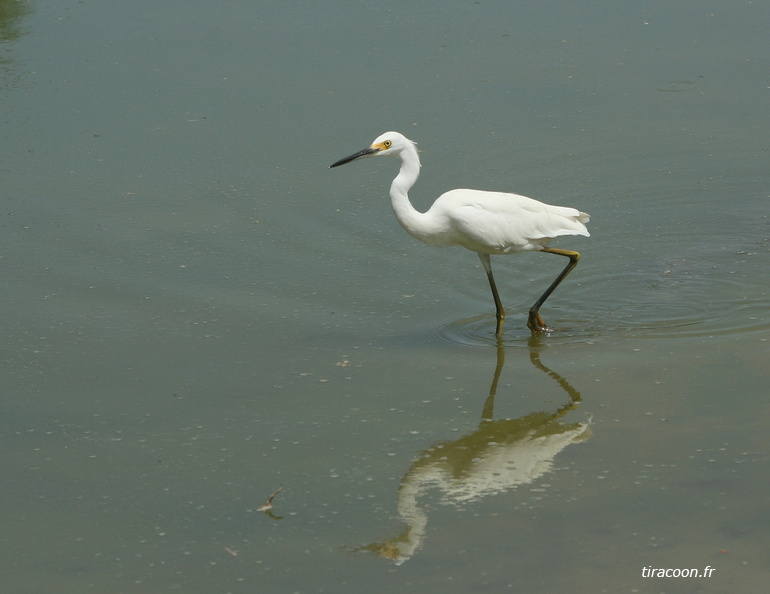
484, 222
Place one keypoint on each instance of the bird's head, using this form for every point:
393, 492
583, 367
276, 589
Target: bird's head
390, 143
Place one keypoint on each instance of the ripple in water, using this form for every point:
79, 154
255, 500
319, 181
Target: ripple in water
479, 331
681, 301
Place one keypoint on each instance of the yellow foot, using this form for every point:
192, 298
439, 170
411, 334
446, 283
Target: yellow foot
499, 326
536, 324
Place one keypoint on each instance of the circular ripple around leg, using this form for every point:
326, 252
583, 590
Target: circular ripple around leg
479, 332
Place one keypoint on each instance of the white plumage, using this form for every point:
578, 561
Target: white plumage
484, 222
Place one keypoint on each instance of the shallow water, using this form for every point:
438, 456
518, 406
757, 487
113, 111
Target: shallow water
198, 311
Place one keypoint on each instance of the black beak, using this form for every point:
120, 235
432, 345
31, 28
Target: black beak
364, 153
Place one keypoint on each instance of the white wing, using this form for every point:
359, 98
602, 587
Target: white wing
500, 223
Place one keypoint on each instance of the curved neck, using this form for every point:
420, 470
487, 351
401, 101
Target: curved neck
410, 218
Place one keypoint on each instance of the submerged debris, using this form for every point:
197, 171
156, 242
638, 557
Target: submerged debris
268, 505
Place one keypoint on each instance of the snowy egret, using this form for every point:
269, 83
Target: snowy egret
487, 223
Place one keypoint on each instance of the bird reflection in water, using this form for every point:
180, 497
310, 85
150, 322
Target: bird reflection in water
498, 456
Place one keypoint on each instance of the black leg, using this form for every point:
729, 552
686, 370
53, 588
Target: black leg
499, 311
535, 322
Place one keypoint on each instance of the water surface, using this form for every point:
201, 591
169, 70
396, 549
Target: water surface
198, 311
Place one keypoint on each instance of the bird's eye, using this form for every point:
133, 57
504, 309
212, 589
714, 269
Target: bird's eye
387, 144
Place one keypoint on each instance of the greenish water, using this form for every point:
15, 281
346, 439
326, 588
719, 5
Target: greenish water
198, 311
